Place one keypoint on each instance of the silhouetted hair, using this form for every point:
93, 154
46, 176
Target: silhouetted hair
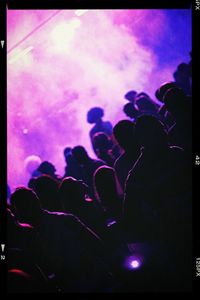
46, 168
67, 151
163, 89
183, 67
123, 132
71, 193
174, 100
25, 203
143, 94
150, 132
130, 96
94, 114
80, 154
102, 140
46, 187
144, 103
130, 110
105, 185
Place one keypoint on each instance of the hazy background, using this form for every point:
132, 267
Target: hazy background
80, 59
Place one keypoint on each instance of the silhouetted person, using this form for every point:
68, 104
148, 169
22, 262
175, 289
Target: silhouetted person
72, 168
160, 92
94, 116
131, 111
182, 77
22, 250
130, 96
31, 182
158, 199
49, 169
124, 134
20, 235
166, 118
180, 107
73, 196
65, 245
46, 187
145, 104
87, 165
103, 146
108, 193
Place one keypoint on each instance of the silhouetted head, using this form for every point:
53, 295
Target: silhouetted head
144, 103
71, 194
175, 101
184, 68
31, 182
163, 89
80, 154
182, 76
130, 96
143, 94
130, 110
124, 134
94, 115
26, 205
68, 155
105, 186
102, 141
47, 168
46, 189
150, 133
67, 151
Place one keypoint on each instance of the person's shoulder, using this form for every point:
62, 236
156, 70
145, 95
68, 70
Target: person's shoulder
56, 215
24, 225
107, 124
175, 148
177, 153
172, 128
92, 131
99, 162
24, 228
137, 167
119, 160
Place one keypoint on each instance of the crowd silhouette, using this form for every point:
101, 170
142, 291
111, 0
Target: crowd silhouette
121, 222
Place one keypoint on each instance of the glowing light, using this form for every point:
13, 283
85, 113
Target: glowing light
31, 163
111, 223
20, 54
80, 12
75, 23
88, 199
25, 131
135, 264
63, 34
